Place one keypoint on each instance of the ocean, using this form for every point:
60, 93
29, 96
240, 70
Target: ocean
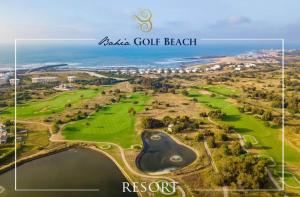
90, 55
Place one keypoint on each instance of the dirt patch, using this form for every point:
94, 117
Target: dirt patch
205, 92
167, 104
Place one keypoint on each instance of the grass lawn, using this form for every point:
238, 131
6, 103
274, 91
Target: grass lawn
169, 188
269, 139
6, 152
221, 89
251, 139
51, 105
111, 124
290, 179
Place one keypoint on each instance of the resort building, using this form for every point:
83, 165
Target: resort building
3, 135
249, 65
72, 79
187, 70
195, 70
3, 80
14, 81
44, 79
4, 76
64, 87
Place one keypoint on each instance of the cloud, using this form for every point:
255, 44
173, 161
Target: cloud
233, 21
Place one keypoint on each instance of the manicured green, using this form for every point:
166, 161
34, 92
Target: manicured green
290, 179
111, 124
269, 139
52, 105
251, 139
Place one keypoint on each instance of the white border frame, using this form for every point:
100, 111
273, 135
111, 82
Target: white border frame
203, 39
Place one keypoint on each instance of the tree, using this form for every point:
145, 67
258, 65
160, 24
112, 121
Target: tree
151, 123
277, 121
226, 150
236, 149
167, 120
242, 172
248, 144
267, 115
211, 142
222, 137
185, 92
8, 123
227, 128
217, 114
55, 127
203, 114
199, 137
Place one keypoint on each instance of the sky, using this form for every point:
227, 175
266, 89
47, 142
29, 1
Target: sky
204, 19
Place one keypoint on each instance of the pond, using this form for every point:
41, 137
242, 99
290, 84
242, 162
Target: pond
161, 154
76, 168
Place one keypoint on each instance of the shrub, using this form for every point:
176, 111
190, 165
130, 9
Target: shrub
218, 114
199, 137
248, 144
151, 123
211, 142
185, 92
222, 137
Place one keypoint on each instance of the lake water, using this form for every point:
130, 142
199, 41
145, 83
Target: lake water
162, 154
76, 168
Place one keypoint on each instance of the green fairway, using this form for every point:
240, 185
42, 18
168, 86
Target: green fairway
290, 179
111, 124
221, 89
269, 139
51, 105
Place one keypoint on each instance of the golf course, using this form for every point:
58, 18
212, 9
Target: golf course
269, 139
113, 123
52, 105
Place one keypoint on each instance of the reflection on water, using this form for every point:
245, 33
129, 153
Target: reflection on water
76, 168
162, 153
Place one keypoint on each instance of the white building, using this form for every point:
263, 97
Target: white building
14, 81
195, 70
72, 79
44, 79
216, 67
249, 65
64, 87
132, 72
187, 70
3, 135
3, 81
124, 71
